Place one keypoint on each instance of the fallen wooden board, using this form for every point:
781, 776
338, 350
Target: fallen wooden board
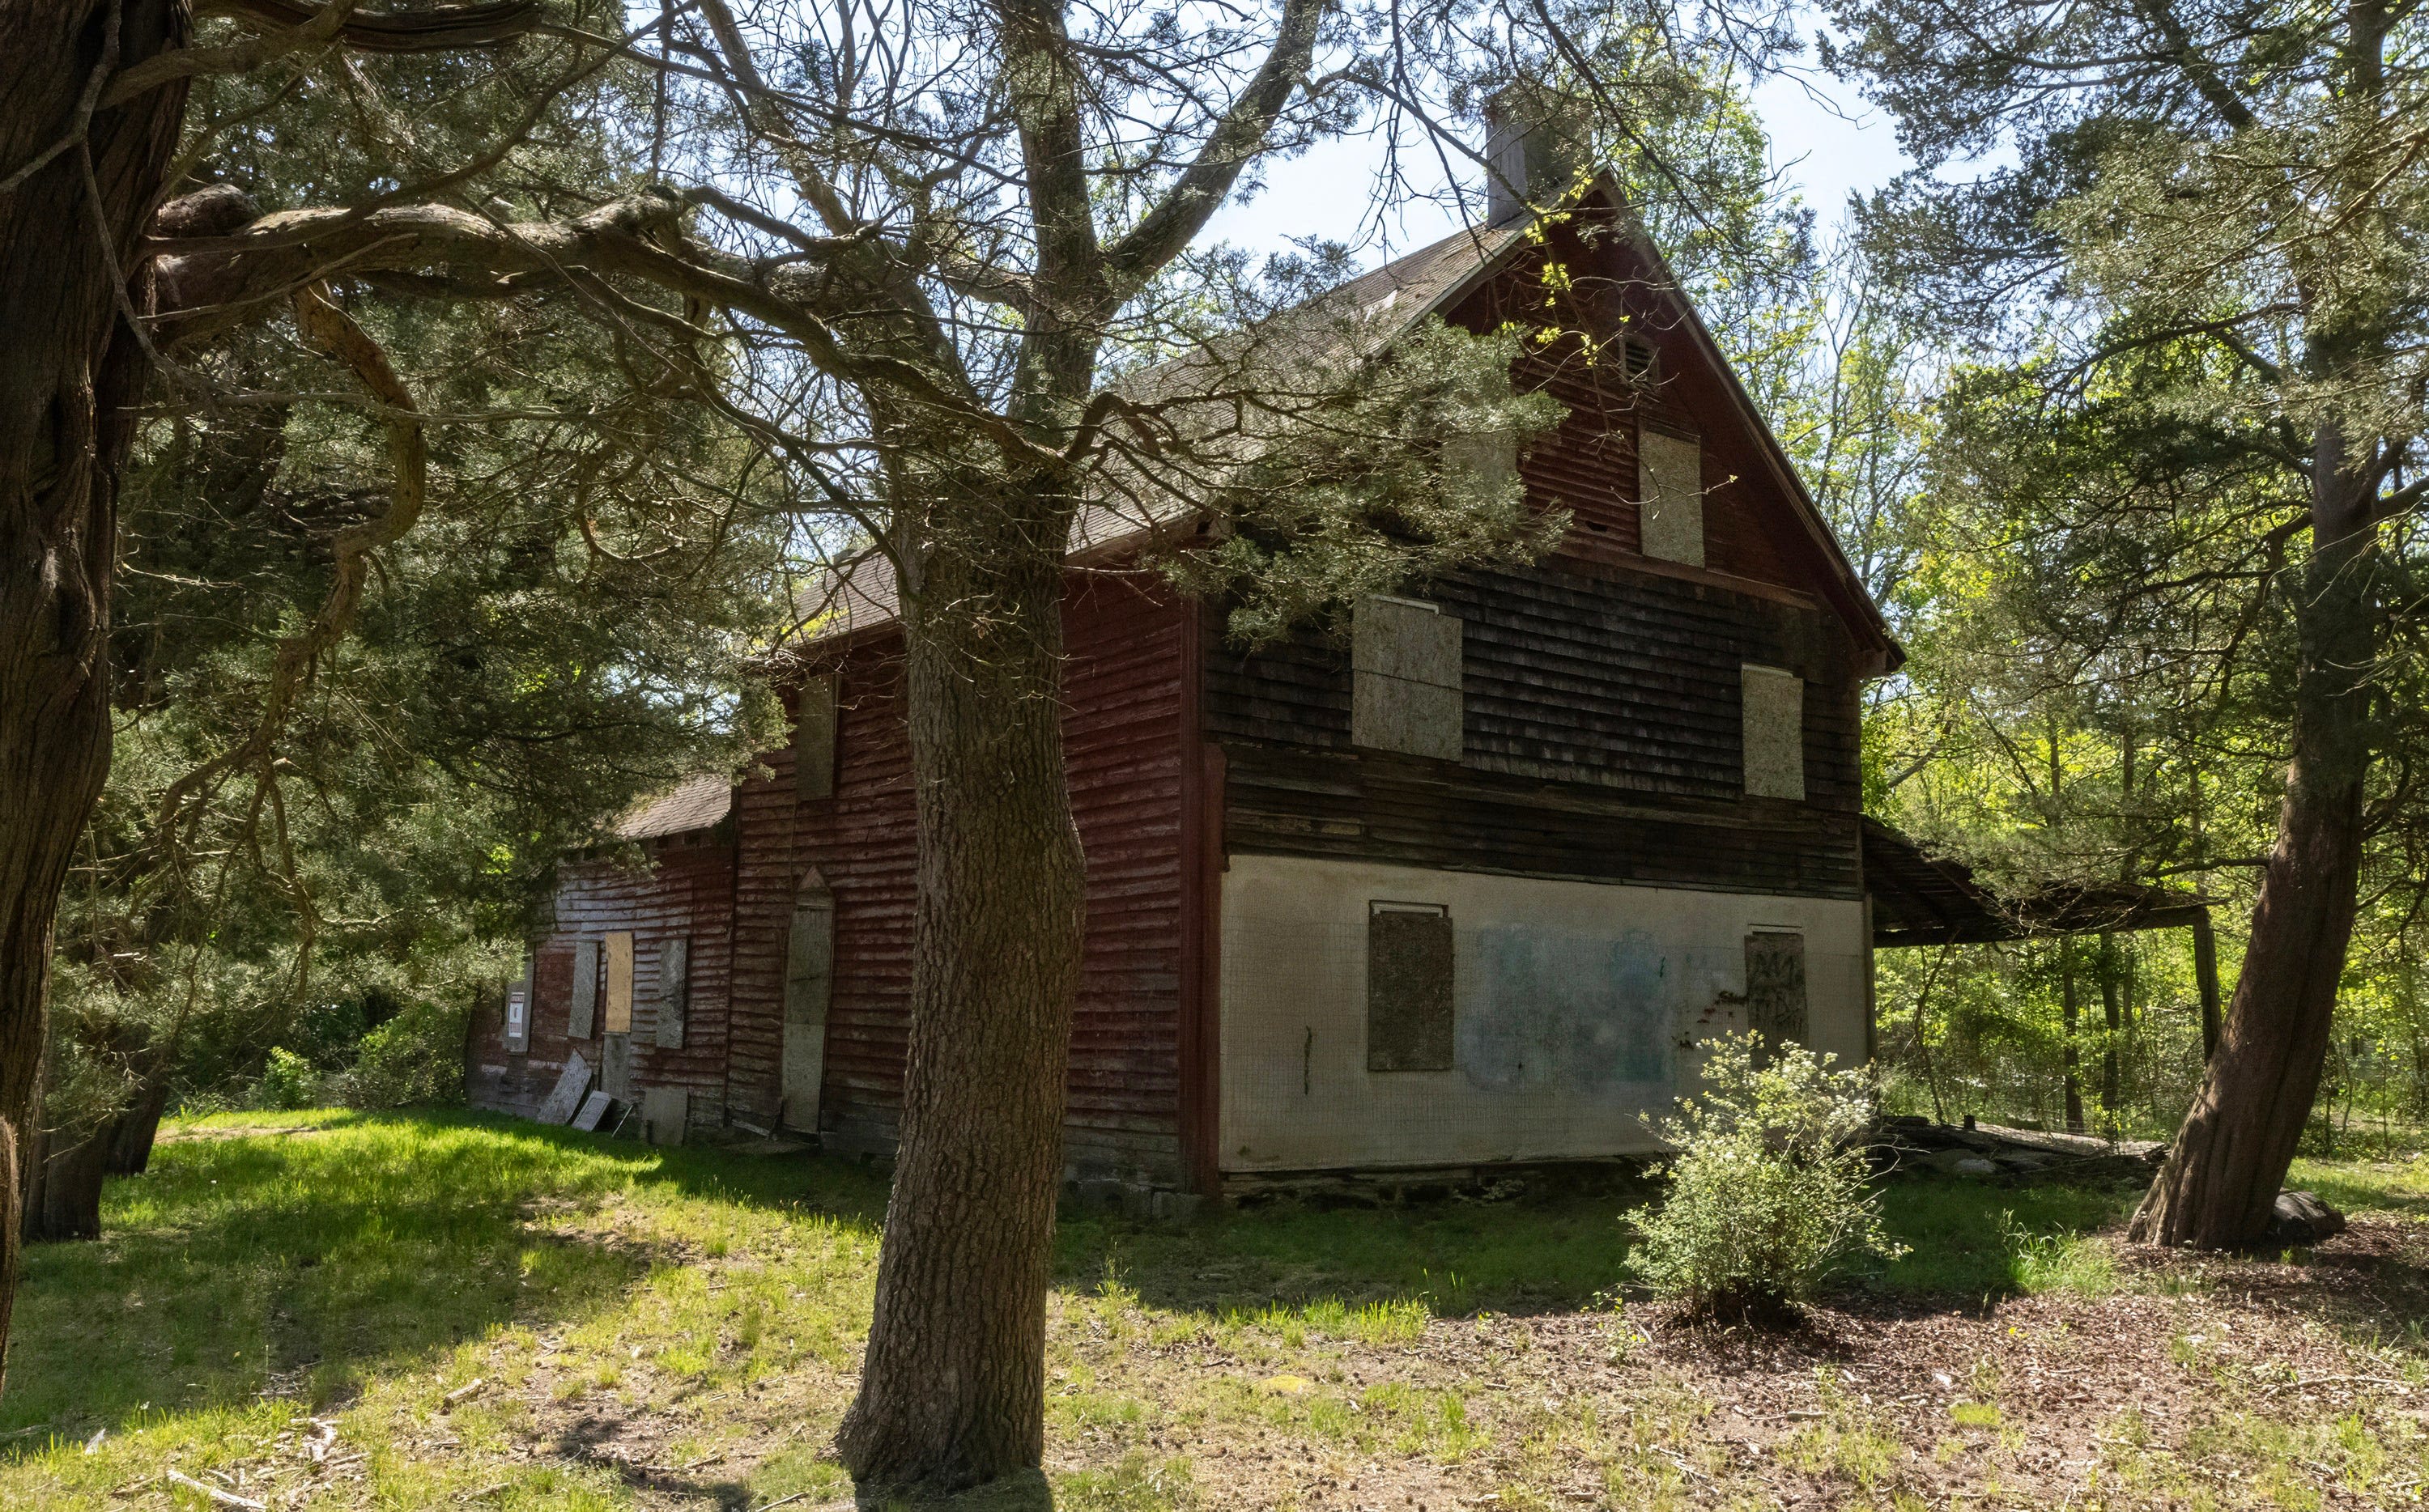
566, 1099
594, 1108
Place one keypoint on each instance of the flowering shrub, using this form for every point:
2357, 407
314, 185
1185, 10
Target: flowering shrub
1770, 1192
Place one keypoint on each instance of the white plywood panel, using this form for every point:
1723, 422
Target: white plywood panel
565, 1100
1670, 491
1774, 732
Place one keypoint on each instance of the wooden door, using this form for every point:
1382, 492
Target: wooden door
809, 983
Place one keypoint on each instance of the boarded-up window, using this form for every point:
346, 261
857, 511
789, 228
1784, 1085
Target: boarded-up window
1405, 691
1775, 988
1409, 1012
620, 984
1774, 732
517, 1010
809, 987
1670, 495
1485, 461
813, 739
675, 991
582, 1017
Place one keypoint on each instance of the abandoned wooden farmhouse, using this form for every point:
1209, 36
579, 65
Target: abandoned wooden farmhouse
1466, 886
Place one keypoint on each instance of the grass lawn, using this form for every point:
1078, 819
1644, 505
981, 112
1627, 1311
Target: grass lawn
450, 1310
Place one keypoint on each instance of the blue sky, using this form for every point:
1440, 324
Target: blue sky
1825, 139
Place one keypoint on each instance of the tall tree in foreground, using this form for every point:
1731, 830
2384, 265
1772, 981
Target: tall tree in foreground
93, 99
80, 182
2237, 190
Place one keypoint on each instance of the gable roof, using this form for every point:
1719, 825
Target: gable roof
861, 594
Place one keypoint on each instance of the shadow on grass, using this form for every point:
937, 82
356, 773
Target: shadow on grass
1560, 1248
1551, 1249
301, 1263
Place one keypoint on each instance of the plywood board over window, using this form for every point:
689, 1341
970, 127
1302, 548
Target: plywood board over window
582, 1017
815, 721
1489, 459
619, 983
1774, 732
675, 991
1775, 988
809, 986
1406, 691
1410, 1006
1670, 496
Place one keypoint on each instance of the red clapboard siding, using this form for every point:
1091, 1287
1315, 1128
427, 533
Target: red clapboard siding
685, 888
1122, 690
1587, 464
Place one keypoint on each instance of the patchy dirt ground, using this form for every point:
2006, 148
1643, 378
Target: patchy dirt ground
2220, 1384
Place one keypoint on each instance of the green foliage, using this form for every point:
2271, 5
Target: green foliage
415, 1059
289, 1081
1770, 1192
1363, 472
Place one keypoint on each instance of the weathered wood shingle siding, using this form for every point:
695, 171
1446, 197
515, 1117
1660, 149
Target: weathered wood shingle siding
1122, 739
684, 888
1603, 740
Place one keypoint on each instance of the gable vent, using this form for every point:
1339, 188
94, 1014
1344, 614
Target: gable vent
1642, 360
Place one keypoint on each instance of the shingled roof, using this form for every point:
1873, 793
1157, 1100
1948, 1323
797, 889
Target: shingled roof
861, 594
694, 804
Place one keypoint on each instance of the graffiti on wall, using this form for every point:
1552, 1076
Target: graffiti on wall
1543, 1008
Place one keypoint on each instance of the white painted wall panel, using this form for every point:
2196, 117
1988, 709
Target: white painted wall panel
1575, 1005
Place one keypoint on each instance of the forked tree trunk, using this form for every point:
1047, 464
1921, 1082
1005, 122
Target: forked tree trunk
2223, 1173
951, 1392
69, 370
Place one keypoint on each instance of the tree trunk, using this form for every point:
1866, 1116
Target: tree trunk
2074, 1021
952, 1390
2229, 1160
63, 1190
69, 369
132, 1134
2110, 1088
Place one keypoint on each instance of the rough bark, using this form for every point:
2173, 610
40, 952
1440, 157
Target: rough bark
2228, 1163
132, 1135
63, 1184
69, 367
952, 1387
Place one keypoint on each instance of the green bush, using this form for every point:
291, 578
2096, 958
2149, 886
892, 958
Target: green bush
415, 1059
1770, 1192
287, 1081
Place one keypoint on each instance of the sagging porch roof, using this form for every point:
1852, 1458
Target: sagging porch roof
1922, 899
